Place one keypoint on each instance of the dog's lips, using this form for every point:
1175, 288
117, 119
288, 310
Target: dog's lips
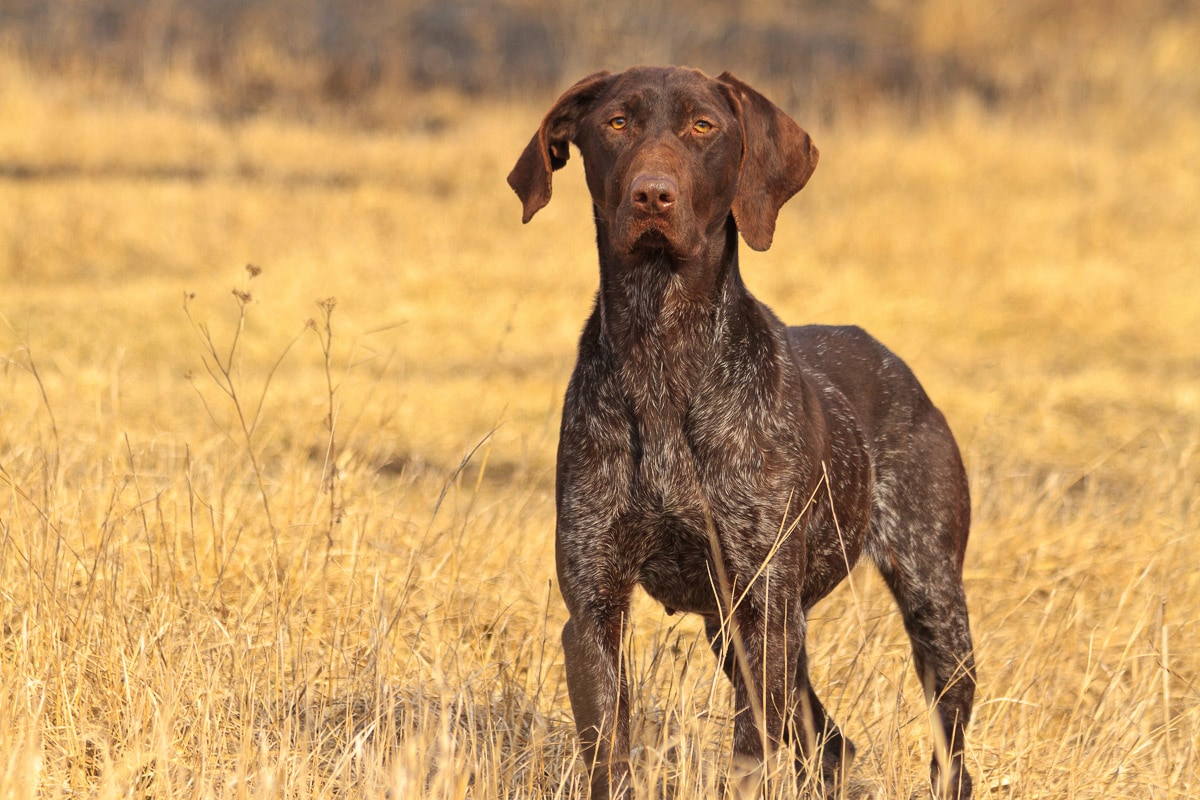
651, 239
649, 233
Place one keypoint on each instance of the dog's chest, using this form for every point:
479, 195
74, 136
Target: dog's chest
669, 440
686, 486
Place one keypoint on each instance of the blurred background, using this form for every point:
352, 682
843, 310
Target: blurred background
815, 56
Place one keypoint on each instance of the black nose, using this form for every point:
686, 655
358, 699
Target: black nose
653, 194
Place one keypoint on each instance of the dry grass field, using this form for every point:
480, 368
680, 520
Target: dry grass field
289, 534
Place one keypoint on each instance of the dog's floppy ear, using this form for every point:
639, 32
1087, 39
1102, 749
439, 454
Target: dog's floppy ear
777, 159
549, 148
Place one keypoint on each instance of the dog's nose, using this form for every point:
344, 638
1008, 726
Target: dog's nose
653, 194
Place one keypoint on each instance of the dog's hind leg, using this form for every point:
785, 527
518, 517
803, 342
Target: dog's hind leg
928, 588
942, 652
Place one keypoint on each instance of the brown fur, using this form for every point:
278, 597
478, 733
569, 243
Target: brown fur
702, 439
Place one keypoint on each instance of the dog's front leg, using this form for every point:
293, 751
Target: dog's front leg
769, 642
599, 694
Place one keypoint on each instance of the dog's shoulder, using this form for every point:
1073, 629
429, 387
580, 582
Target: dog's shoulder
876, 382
844, 354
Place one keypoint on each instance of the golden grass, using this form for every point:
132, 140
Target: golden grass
164, 637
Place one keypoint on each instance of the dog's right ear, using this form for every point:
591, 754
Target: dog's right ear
549, 148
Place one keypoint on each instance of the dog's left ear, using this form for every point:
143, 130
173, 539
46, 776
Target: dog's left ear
778, 158
550, 147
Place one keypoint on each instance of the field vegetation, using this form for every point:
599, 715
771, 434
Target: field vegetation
279, 396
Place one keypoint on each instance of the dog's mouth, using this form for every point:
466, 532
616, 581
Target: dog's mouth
651, 240
654, 237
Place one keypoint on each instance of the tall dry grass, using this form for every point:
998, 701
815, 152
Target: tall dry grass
264, 544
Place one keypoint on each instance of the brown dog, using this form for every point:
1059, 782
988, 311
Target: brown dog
731, 466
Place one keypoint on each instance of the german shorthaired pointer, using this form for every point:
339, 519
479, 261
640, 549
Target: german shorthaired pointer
731, 466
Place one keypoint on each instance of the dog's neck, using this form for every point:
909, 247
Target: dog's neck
662, 319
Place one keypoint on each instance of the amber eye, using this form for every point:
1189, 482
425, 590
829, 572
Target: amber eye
618, 123
702, 126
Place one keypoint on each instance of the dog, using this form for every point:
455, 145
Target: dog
729, 465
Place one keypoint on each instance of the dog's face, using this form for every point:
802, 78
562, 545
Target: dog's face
662, 153
669, 153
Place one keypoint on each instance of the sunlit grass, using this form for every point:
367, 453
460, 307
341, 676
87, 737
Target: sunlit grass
396, 626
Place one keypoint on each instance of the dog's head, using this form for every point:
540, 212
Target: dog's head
669, 153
